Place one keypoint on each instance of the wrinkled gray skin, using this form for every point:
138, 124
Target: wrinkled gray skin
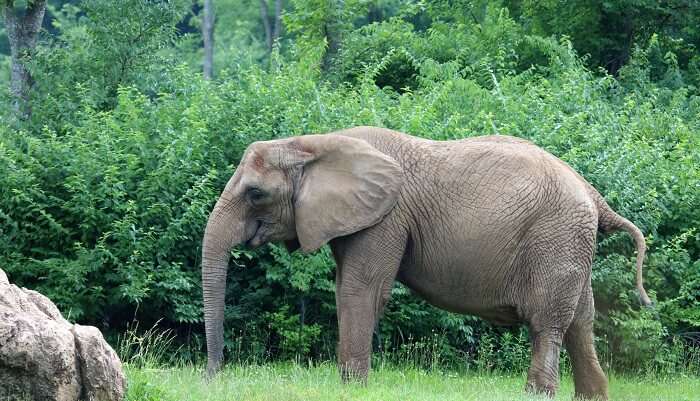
490, 226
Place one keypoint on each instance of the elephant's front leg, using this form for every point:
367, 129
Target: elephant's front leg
357, 316
367, 267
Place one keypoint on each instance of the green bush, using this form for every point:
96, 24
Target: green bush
104, 194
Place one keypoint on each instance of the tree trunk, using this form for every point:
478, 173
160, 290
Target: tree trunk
264, 14
278, 21
22, 32
208, 36
333, 31
272, 30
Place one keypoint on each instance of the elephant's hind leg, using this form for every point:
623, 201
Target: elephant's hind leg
589, 380
557, 264
543, 375
550, 310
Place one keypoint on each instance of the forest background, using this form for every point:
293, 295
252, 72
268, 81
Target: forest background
124, 119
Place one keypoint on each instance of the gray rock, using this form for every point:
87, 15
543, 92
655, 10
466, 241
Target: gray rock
100, 368
37, 358
44, 357
44, 305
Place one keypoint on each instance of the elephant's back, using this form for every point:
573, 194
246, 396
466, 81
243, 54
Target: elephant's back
526, 162
494, 168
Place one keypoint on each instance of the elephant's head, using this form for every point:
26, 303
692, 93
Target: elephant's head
306, 191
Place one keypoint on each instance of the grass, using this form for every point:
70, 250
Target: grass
292, 382
148, 358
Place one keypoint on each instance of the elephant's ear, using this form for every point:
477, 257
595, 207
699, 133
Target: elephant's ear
346, 185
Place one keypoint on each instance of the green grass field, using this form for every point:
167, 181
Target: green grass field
287, 382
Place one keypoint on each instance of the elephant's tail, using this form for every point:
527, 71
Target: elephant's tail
609, 221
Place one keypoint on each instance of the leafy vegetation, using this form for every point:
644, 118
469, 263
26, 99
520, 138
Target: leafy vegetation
284, 382
105, 190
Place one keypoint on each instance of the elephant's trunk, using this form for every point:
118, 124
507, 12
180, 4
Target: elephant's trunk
224, 230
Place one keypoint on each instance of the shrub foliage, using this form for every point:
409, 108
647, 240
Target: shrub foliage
104, 194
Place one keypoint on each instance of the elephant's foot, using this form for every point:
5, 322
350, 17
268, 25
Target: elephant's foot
590, 384
543, 375
597, 394
541, 386
354, 370
590, 381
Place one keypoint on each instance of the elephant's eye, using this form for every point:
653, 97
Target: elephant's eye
255, 194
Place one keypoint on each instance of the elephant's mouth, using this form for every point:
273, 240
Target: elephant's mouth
256, 239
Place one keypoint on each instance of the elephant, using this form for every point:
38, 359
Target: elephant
492, 226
